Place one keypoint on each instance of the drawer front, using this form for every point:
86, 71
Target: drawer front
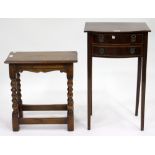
118, 38
104, 51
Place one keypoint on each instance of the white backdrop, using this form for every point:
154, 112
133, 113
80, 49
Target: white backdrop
114, 80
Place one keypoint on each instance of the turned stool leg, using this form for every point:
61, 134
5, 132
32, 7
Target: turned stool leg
15, 113
70, 113
19, 100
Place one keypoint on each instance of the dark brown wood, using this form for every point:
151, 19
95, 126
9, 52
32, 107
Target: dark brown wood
89, 85
15, 113
40, 62
53, 107
144, 63
138, 85
115, 38
42, 67
114, 27
118, 40
62, 120
117, 52
70, 112
41, 57
19, 100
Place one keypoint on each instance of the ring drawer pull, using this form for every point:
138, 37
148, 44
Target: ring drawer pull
100, 38
102, 51
133, 38
132, 50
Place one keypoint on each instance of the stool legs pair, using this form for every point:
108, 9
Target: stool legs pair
18, 109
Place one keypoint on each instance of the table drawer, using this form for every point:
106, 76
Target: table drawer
117, 38
104, 51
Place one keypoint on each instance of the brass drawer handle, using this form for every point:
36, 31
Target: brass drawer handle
133, 38
101, 50
132, 50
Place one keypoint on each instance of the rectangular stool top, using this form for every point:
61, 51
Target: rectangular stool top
42, 57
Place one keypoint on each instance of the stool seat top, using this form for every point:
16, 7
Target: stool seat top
42, 57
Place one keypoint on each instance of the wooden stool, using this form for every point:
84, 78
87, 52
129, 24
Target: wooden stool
40, 62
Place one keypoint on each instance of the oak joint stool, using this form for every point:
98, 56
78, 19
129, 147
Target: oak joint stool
41, 62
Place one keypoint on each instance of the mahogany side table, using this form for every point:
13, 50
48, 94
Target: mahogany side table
41, 62
118, 40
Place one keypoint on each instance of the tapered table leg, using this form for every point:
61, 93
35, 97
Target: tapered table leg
91, 107
89, 81
70, 112
89, 95
138, 85
19, 100
15, 113
143, 92
144, 64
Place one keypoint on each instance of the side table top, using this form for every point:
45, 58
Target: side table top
116, 27
42, 57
